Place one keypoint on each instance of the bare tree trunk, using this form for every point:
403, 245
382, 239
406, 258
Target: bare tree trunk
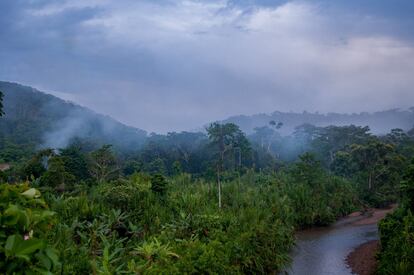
331, 154
370, 181
219, 187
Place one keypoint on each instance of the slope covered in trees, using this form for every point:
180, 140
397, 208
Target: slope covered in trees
34, 119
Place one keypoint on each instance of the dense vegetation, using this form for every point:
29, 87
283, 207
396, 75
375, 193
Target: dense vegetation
36, 119
151, 224
214, 202
397, 232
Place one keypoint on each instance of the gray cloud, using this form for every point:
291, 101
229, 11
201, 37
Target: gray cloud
175, 65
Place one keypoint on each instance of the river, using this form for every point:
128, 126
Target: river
322, 251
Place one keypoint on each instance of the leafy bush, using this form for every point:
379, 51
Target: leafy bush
133, 225
397, 232
158, 184
397, 243
24, 221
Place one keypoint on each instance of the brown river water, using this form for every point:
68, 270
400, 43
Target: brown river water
322, 251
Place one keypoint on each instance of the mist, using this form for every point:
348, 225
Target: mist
86, 126
175, 65
207, 136
380, 123
43, 120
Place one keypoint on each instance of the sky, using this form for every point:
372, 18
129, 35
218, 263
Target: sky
176, 65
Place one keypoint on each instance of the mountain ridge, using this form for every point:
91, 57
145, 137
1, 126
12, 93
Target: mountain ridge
40, 118
380, 122
33, 116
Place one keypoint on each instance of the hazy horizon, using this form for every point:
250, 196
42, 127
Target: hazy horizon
176, 65
230, 118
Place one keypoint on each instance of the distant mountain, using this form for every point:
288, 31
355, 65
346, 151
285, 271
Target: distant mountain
35, 119
379, 122
43, 120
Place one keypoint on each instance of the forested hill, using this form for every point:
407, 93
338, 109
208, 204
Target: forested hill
379, 122
33, 118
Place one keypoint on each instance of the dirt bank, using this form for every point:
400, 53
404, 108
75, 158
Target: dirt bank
373, 216
362, 260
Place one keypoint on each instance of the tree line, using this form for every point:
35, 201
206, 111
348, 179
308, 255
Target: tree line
214, 202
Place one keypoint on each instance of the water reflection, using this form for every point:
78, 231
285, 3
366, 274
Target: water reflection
322, 251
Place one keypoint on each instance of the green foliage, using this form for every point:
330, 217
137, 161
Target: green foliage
33, 118
407, 186
157, 166
317, 197
56, 175
24, 221
177, 169
397, 243
307, 170
159, 184
182, 230
151, 254
103, 164
126, 194
75, 162
224, 140
3, 177
154, 210
185, 232
131, 166
397, 232
375, 166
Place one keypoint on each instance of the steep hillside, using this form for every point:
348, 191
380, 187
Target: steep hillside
379, 122
36, 119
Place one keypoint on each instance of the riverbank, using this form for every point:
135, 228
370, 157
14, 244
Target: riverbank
324, 250
362, 260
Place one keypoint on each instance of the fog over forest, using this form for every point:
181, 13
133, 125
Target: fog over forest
193, 62
207, 137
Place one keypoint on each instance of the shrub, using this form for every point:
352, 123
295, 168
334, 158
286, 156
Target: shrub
24, 219
159, 184
397, 243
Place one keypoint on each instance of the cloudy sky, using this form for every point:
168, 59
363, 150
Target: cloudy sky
176, 65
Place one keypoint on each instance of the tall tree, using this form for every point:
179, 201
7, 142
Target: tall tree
308, 170
56, 175
263, 136
407, 185
276, 126
37, 165
370, 158
225, 138
75, 162
329, 140
103, 164
403, 142
380, 165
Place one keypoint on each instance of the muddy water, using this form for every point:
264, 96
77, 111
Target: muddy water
323, 250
